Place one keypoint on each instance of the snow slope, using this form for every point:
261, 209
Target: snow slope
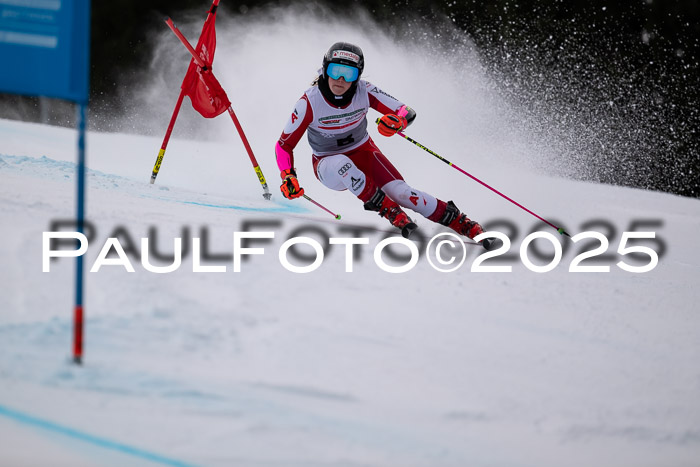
266, 367
269, 367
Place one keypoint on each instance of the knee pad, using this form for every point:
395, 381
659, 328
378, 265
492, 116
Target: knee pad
339, 172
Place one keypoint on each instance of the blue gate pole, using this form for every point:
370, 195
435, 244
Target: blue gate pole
78, 314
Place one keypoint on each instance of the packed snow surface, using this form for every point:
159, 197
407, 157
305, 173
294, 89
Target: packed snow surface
271, 367
268, 367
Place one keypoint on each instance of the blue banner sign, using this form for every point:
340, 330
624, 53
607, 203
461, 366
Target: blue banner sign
45, 47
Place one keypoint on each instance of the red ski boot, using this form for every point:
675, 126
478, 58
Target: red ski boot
387, 208
461, 224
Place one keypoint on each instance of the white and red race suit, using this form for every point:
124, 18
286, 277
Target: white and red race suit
344, 155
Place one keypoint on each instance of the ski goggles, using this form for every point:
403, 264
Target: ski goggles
349, 73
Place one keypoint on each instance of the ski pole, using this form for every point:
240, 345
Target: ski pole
337, 216
249, 150
558, 229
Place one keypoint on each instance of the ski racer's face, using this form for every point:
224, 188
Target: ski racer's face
338, 86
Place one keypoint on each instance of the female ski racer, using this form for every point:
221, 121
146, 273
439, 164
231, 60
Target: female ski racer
333, 113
